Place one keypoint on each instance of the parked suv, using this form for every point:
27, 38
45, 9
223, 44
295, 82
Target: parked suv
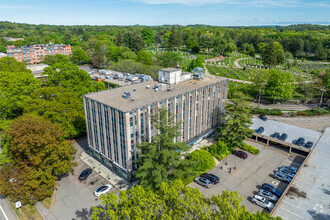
213, 178
290, 168
309, 144
287, 172
275, 135
261, 201
300, 141
271, 189
203, 182
282, 177
263, 117
260, 130
267, 195
283, 137
84, 174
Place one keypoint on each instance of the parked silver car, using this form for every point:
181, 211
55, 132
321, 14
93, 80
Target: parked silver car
203, 182
291, 168
261, 201
267, 195
282, 177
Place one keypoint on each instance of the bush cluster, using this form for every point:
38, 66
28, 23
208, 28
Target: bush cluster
266, 111
250, 149
313, 112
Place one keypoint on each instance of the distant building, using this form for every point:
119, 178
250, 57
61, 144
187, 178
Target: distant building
35, 53
119, 119
12, 39
2, 55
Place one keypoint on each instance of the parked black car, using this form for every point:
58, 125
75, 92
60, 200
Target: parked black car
275, 135
263, 117
271, 189
213, 178
283, 137
300, 141
84, 174
260, 130
309, 144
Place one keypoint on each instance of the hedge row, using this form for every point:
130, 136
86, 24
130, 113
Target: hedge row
266, 111
250, 149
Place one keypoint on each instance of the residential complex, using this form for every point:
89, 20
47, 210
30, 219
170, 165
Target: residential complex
119, 119
35, 53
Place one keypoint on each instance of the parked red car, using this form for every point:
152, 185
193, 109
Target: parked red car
240, 154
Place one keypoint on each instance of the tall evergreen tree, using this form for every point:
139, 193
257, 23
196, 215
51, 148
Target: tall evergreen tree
161, 160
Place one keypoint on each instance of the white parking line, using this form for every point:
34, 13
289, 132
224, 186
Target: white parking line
293, 205
4, 214
291, 212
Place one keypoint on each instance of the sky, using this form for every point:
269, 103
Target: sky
159, 12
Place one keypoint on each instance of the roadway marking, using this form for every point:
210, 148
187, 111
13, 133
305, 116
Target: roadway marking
4, 214
293, 205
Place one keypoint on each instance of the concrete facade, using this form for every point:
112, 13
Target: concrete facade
35, 53
116, 125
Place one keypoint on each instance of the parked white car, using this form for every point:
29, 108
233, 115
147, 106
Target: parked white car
102, 190
261, 201
267, 195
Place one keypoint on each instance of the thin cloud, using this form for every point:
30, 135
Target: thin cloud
14, 7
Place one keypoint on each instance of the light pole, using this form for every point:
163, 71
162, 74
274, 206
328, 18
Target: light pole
322, 90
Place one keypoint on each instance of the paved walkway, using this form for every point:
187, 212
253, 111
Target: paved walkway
42, 210
237, 64
103, 171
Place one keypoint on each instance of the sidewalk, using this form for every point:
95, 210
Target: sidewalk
109, 176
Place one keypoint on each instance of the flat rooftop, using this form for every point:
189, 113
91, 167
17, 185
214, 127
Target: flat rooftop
294, 132
120, 82
309, 195
170, 69
143, 96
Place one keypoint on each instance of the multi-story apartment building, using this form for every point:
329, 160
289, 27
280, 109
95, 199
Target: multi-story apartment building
35, 53
119, 119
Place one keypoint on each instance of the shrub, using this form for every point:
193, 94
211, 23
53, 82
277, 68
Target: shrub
203, 160
250, 149
219, 150
315, 111
266, 111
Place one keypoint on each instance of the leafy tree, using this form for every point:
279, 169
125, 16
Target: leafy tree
219, 150
159, 40
231, 47
168, 59
71, 77
148, 35
195, 63
273, 54
61, 107
16, 84
145, 57
119, 39
57, 58
172, 201
205, 42
280, 85
308, 89
191, 42
174, 40
9, 64
134, 41
260, 80
238, 120
121, 53
160, 160
320, 52
79, 56
202, 159
38, 152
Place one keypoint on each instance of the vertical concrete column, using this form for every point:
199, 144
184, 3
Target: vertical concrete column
129, 152
112, 137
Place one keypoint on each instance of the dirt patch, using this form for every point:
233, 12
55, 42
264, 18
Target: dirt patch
293, 191
215, 59
316, 123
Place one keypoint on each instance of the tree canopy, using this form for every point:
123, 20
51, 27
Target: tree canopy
280, 85
173, 201
38, 152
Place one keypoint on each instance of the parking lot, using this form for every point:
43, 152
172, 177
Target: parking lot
250, 174
74, 199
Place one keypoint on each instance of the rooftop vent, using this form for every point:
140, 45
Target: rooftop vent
127, 95
148, 87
